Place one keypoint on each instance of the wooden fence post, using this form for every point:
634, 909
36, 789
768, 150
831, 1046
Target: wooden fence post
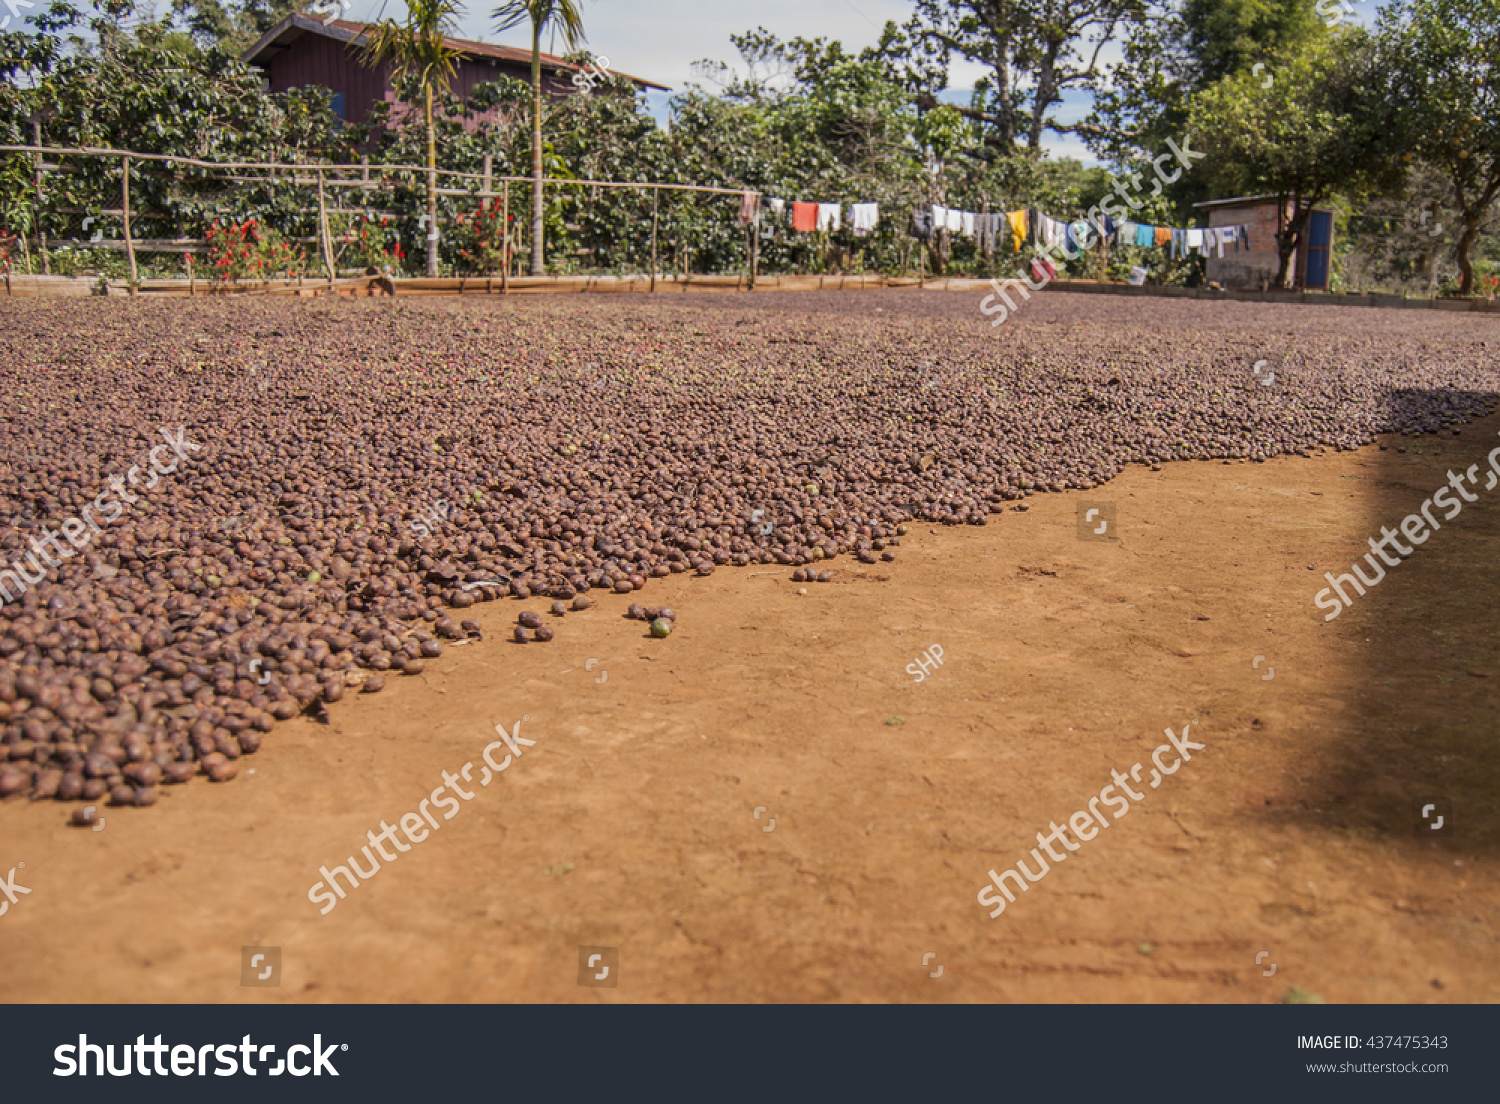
655, 192
488, 183
125, 215
323, 232
754, 242
505, 243
41, 231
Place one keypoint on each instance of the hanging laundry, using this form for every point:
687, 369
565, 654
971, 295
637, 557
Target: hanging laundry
1019, 226
1163, 235
804, 216
939, 218
1049, 231
1193, 240
830, 216
1080, 236
749, 204
777, 206
955, 221
986, 231
1145, 235
921, 225
863, 217
966, 224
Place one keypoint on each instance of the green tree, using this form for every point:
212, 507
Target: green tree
560, 15
1443, 57
109, 75
234, 27
418, 49
1033, 50
1178, 49
1319, 126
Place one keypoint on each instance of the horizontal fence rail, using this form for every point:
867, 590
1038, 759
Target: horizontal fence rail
345, 178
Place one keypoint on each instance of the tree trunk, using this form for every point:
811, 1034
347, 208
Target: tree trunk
538, 246
1465, 265
432, 227
1286, 248
1287, 239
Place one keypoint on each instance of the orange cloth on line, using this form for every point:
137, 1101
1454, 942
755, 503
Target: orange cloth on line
1163, 235
804, 216
1018, 221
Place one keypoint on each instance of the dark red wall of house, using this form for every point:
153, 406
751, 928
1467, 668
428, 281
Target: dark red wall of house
313, 59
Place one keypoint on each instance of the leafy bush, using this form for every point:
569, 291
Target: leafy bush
479, 238
368, 243
247, 251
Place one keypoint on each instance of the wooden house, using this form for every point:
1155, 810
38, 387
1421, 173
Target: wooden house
304, 49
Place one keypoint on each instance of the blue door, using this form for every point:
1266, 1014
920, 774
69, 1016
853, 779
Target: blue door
1319, 247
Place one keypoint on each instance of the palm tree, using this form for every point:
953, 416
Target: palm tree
418, 49
558, 15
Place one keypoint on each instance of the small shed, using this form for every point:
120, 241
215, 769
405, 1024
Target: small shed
1264, 216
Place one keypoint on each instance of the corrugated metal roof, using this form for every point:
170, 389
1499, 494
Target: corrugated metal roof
284, 33
1239, 201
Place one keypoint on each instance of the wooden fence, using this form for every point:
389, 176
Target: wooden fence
334, 177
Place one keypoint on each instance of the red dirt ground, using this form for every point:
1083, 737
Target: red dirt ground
631, 823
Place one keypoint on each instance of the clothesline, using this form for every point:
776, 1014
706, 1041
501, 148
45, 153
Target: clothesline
1042, 229
1026, 225
810, 217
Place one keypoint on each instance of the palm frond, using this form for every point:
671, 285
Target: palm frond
564, 15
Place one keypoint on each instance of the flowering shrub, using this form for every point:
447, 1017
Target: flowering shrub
248, 251
479, 237
368, 243
7, 243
